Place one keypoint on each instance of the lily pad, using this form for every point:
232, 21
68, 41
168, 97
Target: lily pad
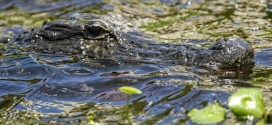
247, 101
211, 114
130, 90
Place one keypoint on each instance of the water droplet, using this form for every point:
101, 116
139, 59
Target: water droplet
84, 52
255, 28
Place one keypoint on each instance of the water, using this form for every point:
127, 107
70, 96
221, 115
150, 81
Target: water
56, 89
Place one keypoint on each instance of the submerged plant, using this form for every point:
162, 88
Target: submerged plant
91, 119
129, 91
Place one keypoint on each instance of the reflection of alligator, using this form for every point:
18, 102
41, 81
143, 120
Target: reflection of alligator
112, 37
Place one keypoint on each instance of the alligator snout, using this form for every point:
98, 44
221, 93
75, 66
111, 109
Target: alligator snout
226, 52
232, 52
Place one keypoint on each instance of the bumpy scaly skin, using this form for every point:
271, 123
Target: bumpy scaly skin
112, 37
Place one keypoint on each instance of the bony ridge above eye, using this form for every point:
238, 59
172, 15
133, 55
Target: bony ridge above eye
95, 30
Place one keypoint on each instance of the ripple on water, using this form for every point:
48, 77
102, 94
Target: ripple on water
264, 57
58, 89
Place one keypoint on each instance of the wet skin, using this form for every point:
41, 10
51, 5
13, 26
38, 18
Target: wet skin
112, 37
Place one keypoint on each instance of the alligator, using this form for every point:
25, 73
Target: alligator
111, 36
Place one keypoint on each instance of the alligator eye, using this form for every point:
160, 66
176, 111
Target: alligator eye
95, 30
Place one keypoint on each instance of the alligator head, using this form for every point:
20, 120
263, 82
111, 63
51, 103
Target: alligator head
113, 37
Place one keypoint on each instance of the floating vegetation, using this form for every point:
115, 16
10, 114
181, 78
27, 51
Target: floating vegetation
247, 102
211, 114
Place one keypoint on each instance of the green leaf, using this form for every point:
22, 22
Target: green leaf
130, 90
211, 114
247, 101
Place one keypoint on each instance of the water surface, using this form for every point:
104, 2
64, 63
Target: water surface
59, 89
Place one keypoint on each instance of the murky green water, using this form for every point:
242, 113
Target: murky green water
56, 89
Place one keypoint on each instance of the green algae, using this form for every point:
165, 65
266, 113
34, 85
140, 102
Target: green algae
169, 20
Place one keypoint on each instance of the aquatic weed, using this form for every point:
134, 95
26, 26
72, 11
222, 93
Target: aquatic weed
129, 91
